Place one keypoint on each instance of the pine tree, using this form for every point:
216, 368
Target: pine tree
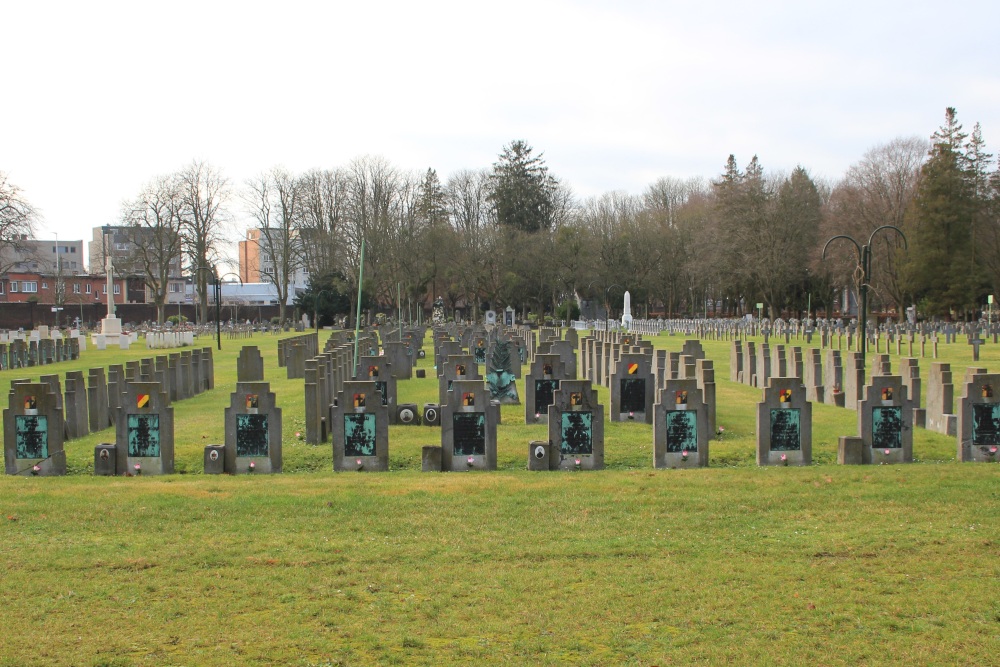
522, 190
938, 269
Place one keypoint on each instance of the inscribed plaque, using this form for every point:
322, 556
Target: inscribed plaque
143, 435
682, 430
986, 424
32, 436
251, 435
577, 433
785, 430
633, 395
887, 427
359, 435
544, 390
469, 433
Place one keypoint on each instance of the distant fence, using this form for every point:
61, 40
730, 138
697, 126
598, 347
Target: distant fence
31, 315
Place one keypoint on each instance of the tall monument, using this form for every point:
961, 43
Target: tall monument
627, 312
111, 326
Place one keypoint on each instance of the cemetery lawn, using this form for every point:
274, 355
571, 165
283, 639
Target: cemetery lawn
733, 564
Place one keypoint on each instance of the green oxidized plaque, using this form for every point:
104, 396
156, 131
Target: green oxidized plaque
785, 430
32, 435
359, 435
682, 430
577, 433
251, 435
986, 424
469, 434
887, 427
143, 435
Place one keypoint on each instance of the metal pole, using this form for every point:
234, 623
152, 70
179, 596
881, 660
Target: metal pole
218, 311
357, 316
399, 309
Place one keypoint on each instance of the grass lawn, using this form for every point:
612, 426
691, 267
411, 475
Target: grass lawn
734, 564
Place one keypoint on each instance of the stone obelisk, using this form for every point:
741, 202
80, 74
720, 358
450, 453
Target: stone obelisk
627, 312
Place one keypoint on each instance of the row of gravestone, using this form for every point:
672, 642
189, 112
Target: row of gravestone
135, 398
20, 353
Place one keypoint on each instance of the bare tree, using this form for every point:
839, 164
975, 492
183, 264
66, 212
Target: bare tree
205, 191
274, 201
17, 222
877, 190
323, 222
153, 224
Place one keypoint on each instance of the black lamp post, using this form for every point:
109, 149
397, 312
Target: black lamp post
864, 255
218, 302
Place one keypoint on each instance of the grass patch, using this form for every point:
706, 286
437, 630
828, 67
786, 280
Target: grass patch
733, 564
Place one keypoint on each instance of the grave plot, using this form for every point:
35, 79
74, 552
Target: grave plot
633, 389
253, 430
468, 428
144, 432
33, 431
680, 426
378, 370
885, 421
359, 423
979, 419
576, 428
784, 424
540, 385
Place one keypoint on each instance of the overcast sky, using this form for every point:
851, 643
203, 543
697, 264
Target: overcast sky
100, 97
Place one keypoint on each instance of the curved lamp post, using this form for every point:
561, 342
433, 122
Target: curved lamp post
864, 255
218, 299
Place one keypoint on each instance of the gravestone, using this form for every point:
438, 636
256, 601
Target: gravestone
576, 427
400, 357
784, 424
680, 426
454, 368
633, 389
75, 407
97, 400
833, 379
979, 419
468, 428
941, 400
378, 370
540, 385
250, 365
885, 421
33, 431
144, 431
359, 424
253, 430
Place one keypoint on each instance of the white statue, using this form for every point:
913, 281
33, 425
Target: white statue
627, 312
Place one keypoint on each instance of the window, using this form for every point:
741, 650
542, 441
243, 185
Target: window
45, 285
88, 288
1, 287
118, 289
29, 286
175, 288
72, 249
76, 288
13, 286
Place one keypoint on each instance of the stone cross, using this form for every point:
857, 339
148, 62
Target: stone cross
975, 341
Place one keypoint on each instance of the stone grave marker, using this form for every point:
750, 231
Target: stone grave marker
468, 428
784, 424
144, 432
979, 419
75, 410
33, 431
253, 430
633, 389
97, 400
359, 424
454, 368
885, 421
378, 370
540, 385
500, 379
680, 426
576, 427
941, 400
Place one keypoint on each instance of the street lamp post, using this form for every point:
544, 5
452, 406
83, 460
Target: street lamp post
218, 302
864, 255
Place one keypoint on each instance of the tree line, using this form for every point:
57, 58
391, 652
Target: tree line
514, 234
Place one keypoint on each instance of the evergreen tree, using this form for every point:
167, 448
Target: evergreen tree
522, 191
939, 269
